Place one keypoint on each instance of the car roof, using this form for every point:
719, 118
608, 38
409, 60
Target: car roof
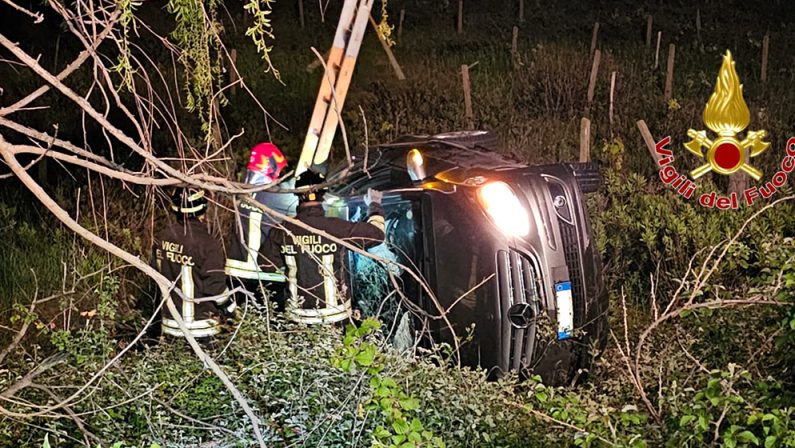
445, 155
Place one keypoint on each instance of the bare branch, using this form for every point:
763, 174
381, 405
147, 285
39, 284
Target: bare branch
161, 281
36, 16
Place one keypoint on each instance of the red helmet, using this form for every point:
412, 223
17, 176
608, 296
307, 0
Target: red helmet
265, 158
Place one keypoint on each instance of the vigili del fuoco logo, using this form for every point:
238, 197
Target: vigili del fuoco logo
727, 149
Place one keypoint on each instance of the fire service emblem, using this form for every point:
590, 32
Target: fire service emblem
726, 151
727, 115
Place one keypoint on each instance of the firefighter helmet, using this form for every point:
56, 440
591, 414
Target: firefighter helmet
315, 182
265, 158
189, 202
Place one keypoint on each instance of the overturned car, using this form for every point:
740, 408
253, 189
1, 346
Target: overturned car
504, 250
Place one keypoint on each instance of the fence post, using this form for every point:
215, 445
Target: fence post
592, 82
400, 23
515, 41
738, 182
669, 77
649, 21
301, 12
391, 56
657, 52
467, 96
521, 11
460, 16
612, 96
594, 37
698, 25
765, 49
585, 140
651, 145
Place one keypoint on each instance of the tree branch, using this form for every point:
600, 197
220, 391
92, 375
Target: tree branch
161, 281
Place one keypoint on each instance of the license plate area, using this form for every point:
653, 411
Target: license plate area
565, 309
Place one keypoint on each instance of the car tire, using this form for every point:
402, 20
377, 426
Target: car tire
470, 139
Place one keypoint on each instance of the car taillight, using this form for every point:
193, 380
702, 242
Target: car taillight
504, 208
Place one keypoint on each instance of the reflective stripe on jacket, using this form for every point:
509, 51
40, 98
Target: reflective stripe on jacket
252, 229
315, 265
187, 255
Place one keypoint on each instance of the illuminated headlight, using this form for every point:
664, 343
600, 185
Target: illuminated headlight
416, 165
504, 208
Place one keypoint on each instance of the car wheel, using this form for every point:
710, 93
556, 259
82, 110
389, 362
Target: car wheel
470, 139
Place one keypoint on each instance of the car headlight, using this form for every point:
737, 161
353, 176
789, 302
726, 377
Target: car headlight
504, 208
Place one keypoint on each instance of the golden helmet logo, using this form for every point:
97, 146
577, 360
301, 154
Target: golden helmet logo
727, 115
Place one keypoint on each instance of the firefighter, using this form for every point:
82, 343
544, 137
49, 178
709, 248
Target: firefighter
265, 164
186, 254
315, 265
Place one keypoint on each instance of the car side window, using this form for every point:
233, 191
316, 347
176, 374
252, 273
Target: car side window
382, 179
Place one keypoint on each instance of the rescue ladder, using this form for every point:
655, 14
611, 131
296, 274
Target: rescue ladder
334, 86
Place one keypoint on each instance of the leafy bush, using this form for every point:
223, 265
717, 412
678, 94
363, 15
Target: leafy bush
644, 229
732, 409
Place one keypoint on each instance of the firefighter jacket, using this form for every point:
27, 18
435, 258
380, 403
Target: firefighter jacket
187, 255
251, 230
316, 265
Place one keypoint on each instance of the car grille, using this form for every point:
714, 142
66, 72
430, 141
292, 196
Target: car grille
518, 283
571, 250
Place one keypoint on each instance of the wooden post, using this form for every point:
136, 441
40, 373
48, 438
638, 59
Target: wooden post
649, 21
301, 12
657, 52
669, 76
521, 11
765, 49
391, 56
594, 37
592, 82
467, 96
400, 23
233, 70
738, 182
698, 25
651, 145
515, 41
585, 140
612, 96
460, 17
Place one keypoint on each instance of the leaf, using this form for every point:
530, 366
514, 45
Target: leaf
702, 423
345, 365
366, 356
46, 443
409, 404
400, 426
747, 437
686, 419
770, 441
